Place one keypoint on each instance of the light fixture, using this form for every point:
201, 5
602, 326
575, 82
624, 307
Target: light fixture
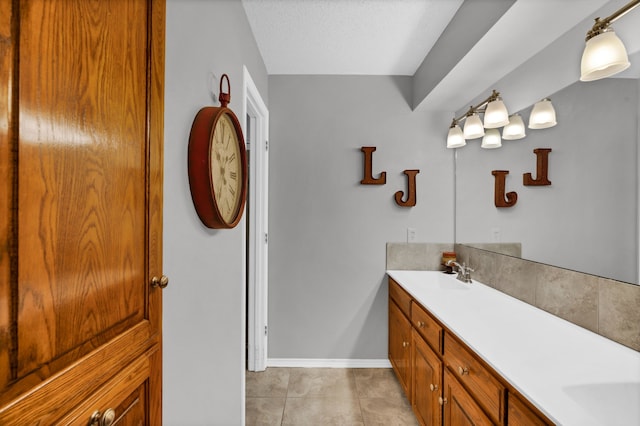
455, 139
495, 115
604, 53
491, 139
543, 115
515, 129
473, 128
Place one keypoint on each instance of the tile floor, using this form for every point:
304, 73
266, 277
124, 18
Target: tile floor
326, 397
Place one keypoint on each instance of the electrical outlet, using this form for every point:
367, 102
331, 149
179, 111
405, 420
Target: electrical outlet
495, 235
411, 235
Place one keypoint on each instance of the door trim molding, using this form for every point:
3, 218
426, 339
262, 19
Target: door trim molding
257, 259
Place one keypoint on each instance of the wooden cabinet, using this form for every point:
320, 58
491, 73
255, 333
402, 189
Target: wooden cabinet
449, 383
428, 328
400, 346
519, 414
486, 389
81, 137
426, 382
460, 409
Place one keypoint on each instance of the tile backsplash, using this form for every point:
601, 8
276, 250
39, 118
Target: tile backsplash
608, 307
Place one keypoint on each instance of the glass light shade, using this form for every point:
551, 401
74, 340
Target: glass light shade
496, 115
473, 128
455, 138
491, 139
543, 115
515, 129
604, 55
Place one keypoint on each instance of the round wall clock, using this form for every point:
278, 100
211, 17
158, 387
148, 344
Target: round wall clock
218, 164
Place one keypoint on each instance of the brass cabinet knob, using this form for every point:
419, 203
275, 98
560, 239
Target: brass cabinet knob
161, 282
421, 324
442, 400
433, 387
108, 418
405, 344
463, 371
94, 420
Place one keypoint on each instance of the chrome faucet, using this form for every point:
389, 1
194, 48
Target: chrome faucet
464, 272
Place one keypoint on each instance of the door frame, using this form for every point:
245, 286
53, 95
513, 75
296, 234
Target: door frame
258, 230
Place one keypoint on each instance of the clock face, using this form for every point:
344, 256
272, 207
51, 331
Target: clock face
226, 168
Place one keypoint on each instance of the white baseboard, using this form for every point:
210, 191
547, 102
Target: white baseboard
328, 363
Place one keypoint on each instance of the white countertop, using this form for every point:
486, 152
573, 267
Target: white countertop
574, 376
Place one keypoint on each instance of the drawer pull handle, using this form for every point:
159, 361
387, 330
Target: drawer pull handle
442, 400
108, 418
464, 371
433, 387
94, 420
421, 324
103, 419
405, 344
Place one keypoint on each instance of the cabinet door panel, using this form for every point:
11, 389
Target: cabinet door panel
427, 382
400, 346
518, 414
460, 409
482, 384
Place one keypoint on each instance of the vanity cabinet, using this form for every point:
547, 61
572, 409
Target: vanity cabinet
486, 389
400, 343
449, 383
460, 408
519, 414
426, 382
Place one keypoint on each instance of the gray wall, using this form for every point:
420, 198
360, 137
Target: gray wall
327, 288
587, 219
204, 305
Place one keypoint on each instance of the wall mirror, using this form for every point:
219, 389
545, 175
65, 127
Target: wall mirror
587, 219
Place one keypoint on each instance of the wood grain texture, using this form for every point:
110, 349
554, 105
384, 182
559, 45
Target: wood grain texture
85, 328
460, 409
82, 210
155, 119
7, 139
426, 382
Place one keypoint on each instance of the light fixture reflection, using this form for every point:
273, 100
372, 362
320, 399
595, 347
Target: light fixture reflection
455, 139
515, 129
491, 139
543, 115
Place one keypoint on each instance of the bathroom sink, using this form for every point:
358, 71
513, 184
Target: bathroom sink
450, 282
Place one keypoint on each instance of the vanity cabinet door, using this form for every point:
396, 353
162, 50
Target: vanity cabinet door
427, 383
460, 409
485, 387
518, 414
400, 346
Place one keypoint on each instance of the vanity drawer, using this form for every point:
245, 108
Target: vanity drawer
428, 328
480, 382
401, 297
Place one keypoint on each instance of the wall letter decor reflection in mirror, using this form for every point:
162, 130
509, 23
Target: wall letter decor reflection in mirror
587, 220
